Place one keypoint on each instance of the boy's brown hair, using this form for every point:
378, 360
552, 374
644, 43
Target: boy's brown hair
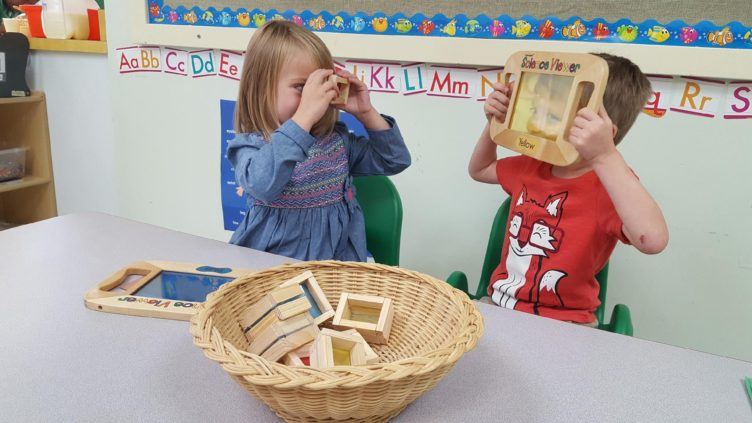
269, 49
627, 92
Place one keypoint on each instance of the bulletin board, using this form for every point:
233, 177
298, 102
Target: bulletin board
475, 32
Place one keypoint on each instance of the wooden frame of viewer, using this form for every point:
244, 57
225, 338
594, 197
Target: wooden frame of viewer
118, 293
370, 315
563, 72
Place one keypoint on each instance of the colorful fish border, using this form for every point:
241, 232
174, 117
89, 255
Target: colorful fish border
651, 32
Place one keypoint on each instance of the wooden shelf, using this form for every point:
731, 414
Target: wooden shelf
33, 98
25, 182
76, 46
23, 123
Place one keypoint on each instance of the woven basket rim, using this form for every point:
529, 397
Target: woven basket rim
257, 370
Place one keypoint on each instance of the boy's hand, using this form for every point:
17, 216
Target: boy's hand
359, 103
318, 92
592, 134
497, 102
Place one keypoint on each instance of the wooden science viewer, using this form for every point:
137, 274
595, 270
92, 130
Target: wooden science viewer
370, 315
162, 289
549, 88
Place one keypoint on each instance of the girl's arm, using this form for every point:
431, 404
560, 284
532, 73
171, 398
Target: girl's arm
263, 168
643, 223
384, 151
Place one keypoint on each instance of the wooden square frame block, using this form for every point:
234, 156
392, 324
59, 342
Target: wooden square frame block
371, 356
320, 309
284, 336
279, 304
344, 89
538, 121
301, 357
370, 315
333, 348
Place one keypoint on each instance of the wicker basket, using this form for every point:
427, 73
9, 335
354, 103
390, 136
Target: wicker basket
433, 326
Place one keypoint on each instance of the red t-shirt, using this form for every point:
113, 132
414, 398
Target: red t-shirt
560, 233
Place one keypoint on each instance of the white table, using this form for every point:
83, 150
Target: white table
62, 362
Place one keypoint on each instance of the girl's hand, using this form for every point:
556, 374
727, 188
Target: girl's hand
358, 99
359, 103
592, 134
318, 92
497, 102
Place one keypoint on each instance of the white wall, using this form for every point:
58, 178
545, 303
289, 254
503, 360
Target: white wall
79, 111
694, 295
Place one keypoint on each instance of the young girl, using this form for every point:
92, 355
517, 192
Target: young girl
294, 159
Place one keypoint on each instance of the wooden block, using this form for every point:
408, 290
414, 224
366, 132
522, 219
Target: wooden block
300, 357
267, 303
371, 356
344, 89
279, 330
333, 348
370, 315
291, 342
320, 310
280, 313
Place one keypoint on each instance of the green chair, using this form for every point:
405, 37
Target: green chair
382, 209
621, 321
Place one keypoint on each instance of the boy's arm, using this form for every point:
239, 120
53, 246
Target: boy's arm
482, 165
643, 223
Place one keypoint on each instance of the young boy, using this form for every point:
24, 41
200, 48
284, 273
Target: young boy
564, 221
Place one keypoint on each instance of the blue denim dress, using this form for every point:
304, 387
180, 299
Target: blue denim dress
301, 202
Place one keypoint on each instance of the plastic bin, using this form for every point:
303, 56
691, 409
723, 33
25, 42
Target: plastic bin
12, 164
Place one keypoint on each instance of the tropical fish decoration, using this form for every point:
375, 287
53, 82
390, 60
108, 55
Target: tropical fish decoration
574, 31
497, 29
601, 31
546, 30
426, 27
450, 28
521, 28
627, 33
658, 34
403, 25
721, 38
688, 35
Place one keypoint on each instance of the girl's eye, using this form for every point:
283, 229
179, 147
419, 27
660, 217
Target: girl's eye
299, 88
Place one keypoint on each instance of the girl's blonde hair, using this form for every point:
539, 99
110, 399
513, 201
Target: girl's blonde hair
268, 51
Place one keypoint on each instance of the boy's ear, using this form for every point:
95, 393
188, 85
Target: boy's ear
614, 130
